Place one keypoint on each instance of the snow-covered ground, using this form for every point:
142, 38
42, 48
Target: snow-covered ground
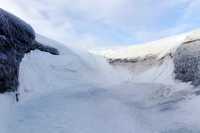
78, 92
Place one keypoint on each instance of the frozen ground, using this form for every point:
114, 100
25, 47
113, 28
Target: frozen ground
129, 108
79, 93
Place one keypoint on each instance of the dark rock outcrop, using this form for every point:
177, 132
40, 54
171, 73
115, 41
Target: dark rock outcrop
16, 39
187, 62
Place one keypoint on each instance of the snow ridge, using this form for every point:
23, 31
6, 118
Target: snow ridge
159, 48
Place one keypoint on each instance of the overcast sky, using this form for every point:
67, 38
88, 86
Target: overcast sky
105, 23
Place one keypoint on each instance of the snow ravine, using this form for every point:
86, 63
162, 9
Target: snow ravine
81, 93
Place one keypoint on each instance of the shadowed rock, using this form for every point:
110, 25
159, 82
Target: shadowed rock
187, 62
16, 39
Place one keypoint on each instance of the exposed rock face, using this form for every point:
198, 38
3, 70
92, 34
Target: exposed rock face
16, 39
187, 62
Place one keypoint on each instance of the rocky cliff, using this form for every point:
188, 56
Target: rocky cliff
16, 39
187, 60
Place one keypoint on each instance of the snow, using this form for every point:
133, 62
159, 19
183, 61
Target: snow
78, 92
157, 70
48, 84
160, 48
194, 35
157, 74
70, 68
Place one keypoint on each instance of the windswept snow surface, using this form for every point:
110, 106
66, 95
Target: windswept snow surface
80, 93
